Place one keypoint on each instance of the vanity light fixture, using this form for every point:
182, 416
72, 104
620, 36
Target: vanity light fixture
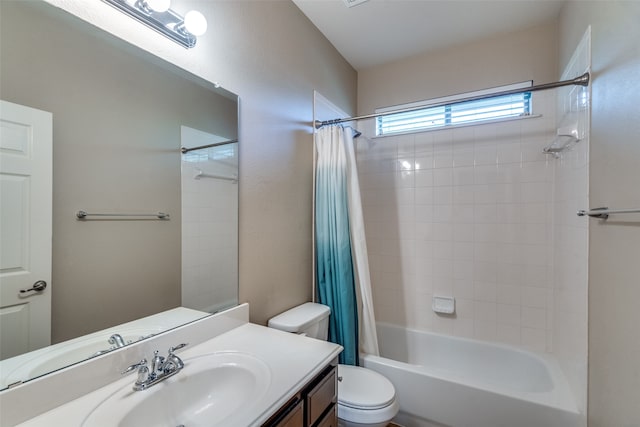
158, 15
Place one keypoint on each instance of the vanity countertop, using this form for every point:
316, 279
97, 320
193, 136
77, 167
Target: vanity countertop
292, 361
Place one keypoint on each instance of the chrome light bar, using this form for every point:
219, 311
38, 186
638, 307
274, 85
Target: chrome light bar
168, 23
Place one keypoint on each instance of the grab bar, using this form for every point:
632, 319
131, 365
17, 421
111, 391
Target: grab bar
604, 212
159, 215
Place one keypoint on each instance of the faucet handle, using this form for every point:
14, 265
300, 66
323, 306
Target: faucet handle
135, 366
178, 347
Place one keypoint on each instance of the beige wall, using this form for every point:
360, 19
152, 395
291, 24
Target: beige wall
530, 54
273, 58
115, 149
614, 181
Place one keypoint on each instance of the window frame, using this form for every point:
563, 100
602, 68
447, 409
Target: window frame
447, 102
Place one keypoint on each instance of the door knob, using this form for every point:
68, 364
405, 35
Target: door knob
39, 286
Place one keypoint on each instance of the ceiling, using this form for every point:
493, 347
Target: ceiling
379, 31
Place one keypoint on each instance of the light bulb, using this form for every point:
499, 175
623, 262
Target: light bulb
158, 5
195, 23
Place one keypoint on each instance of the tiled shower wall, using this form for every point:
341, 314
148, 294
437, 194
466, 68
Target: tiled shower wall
464, 212
571, 233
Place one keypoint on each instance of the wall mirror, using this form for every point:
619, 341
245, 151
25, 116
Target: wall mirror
118, 117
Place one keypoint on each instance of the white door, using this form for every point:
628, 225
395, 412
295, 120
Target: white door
25, 228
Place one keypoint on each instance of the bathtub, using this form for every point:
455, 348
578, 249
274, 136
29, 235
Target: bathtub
456, 382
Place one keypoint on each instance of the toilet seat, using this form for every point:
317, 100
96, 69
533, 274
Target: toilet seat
361, 388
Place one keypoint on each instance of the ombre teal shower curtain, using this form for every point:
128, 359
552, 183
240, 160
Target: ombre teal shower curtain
342, 265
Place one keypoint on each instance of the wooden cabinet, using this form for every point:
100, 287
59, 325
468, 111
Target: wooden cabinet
330, 419
293, 417
313, 406
321, 397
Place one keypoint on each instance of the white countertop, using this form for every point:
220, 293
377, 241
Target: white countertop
293, 361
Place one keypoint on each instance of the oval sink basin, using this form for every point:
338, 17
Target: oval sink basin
212, 389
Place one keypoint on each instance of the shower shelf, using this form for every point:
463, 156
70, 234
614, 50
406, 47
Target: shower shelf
566, 138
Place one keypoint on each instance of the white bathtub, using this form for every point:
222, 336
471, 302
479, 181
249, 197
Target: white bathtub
456, 382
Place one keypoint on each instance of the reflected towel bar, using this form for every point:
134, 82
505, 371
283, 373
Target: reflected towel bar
158, 215
604, 212
200, 174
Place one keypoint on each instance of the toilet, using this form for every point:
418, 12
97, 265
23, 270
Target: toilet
365, 398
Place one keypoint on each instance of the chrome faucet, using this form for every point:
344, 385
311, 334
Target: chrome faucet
161, 368
117, 340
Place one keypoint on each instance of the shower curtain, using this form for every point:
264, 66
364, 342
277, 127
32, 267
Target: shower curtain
343, 280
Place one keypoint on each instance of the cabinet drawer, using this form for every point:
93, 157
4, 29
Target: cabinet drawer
295, 418
330, 419
321, 397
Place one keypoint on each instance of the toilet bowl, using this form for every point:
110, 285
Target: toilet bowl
365, 398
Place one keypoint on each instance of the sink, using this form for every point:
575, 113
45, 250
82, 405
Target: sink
212, 389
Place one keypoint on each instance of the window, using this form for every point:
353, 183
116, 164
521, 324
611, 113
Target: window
455, 113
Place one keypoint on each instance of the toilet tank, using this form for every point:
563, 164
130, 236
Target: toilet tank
309, 318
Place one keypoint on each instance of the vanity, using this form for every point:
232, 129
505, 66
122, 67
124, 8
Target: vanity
235, 374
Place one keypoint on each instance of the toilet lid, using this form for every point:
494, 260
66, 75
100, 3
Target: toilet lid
363, 388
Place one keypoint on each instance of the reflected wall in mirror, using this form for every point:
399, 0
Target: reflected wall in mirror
209, 220
119, 116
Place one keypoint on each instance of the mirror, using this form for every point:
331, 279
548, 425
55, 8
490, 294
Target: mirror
119, 116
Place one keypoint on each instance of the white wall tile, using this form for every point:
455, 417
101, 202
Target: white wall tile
463, 156
443, 195
464, 232
463, 327
476, 203
534, 317
423, 178
509, 152
485, 174
535, 339
463, 288
463, 252
484, 291
463, 175
508, 334
424, 161
509, 314
443, 176
568, 284
485, 330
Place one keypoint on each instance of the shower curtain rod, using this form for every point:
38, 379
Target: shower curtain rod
185, 150
583, 80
